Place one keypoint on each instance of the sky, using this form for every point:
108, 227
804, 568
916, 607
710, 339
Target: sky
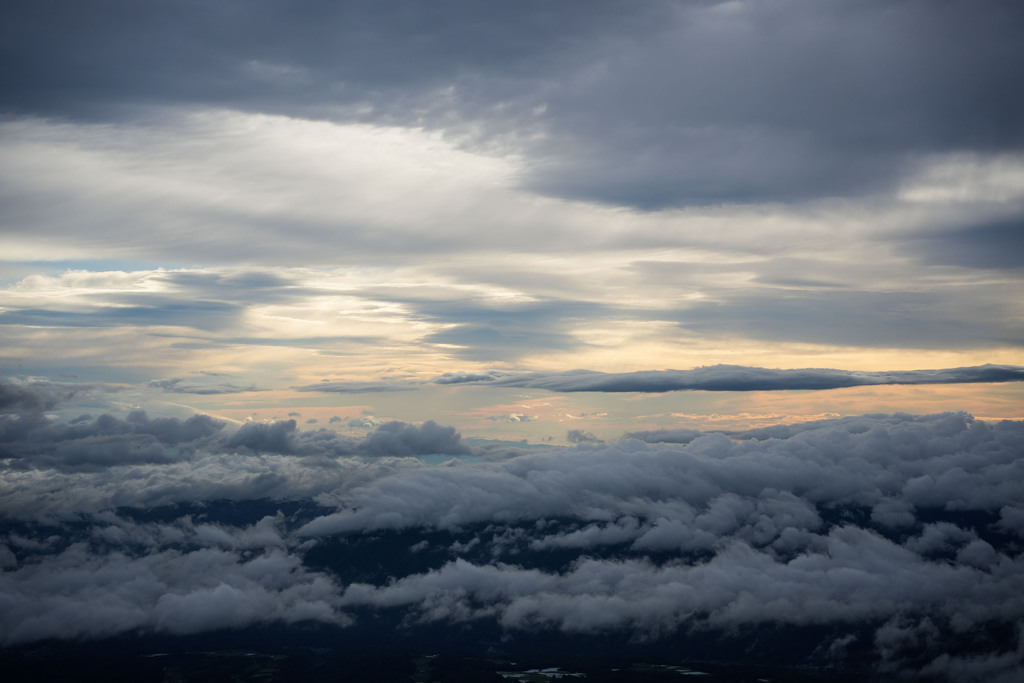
361, 230
219, 209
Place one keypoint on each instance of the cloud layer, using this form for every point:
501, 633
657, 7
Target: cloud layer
898, 537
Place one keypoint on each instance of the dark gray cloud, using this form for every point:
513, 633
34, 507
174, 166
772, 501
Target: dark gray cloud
579, 436
665, 435
731, 378
661, 104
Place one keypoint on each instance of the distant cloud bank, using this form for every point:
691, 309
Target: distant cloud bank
730, 378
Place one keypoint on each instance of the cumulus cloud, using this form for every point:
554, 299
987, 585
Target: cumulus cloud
365, 422
514, 418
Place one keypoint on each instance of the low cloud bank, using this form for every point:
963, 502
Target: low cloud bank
895, 540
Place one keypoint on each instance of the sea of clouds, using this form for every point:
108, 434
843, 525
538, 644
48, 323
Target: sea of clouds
897, 537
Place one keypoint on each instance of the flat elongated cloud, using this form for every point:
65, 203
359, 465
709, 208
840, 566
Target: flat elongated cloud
730, 378
356, 387
182, 385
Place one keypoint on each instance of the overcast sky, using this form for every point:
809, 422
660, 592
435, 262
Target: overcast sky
199, 201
